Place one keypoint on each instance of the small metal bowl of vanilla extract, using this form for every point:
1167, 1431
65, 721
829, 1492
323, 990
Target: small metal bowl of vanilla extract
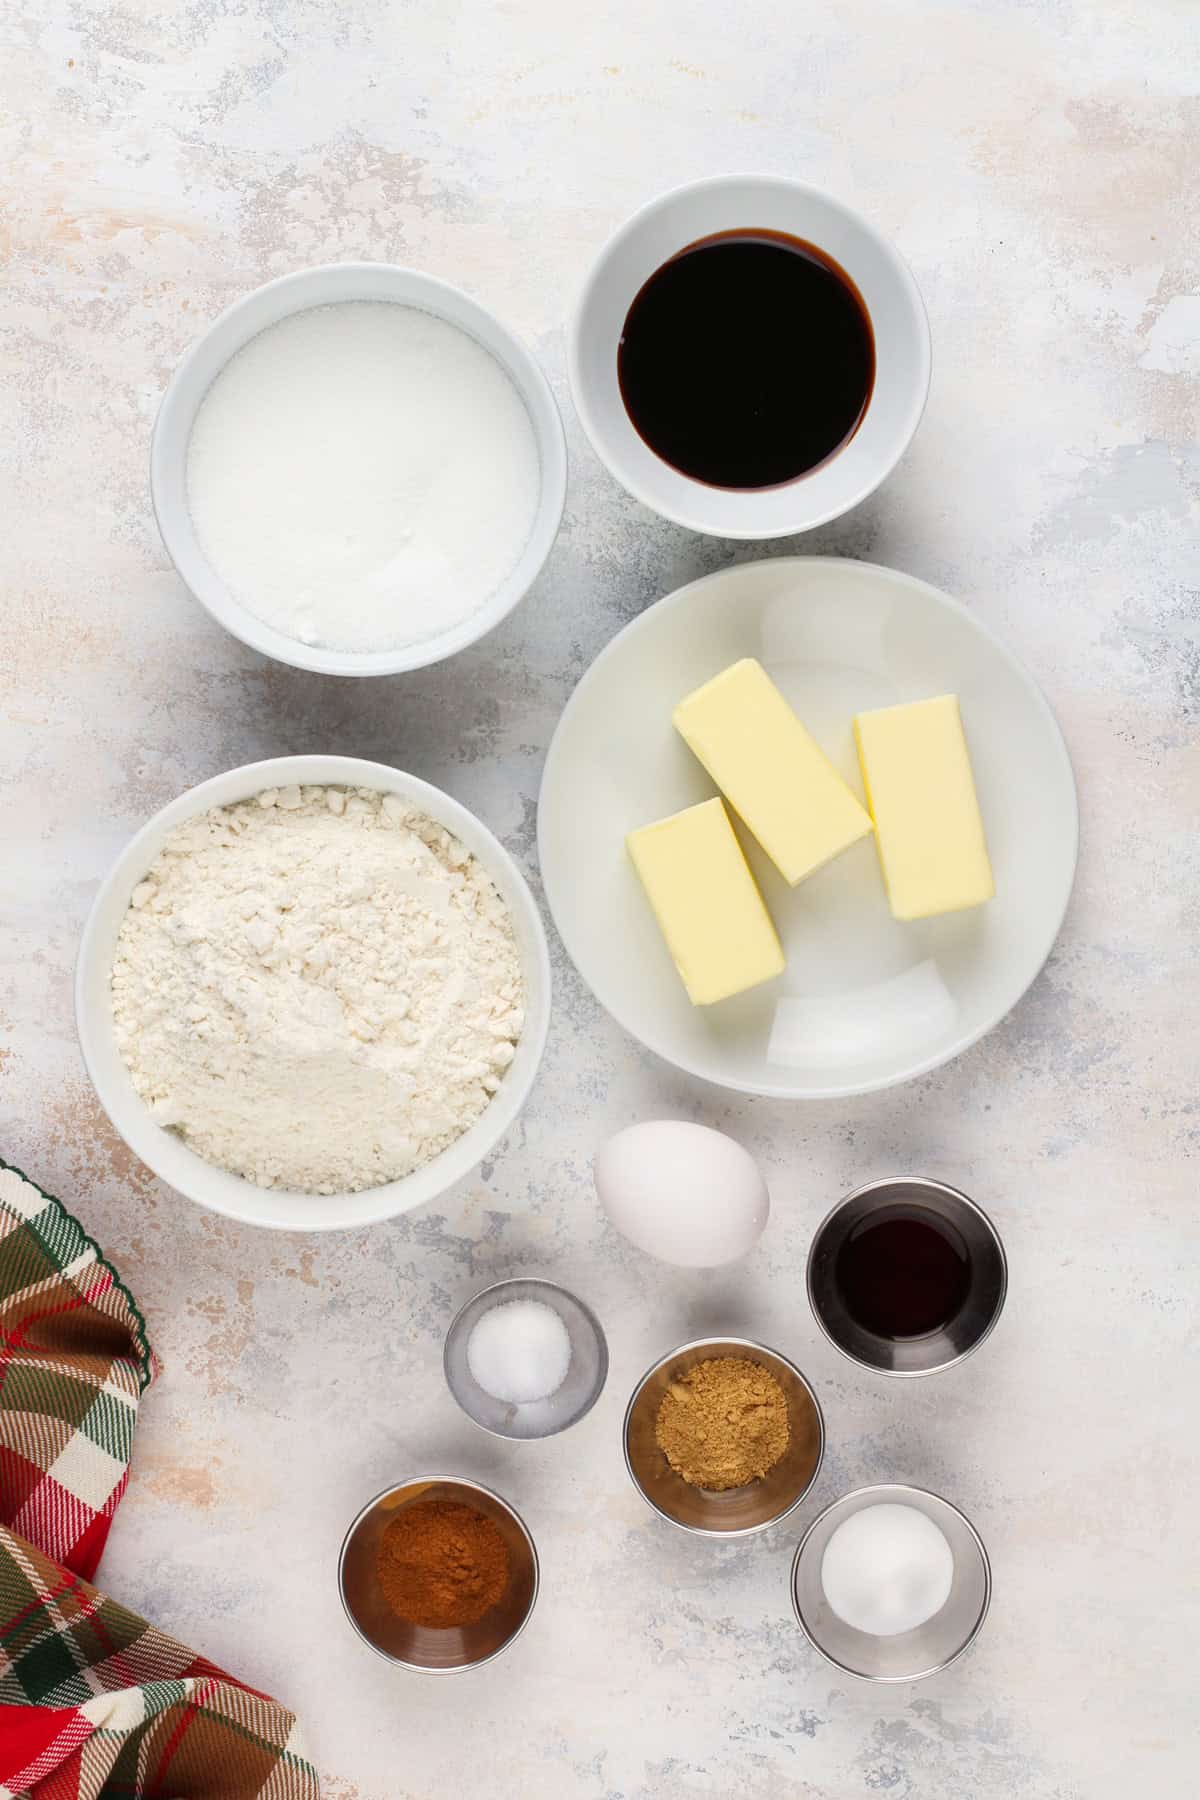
907, 1276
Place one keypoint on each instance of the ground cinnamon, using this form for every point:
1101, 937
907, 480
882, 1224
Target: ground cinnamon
441, 1564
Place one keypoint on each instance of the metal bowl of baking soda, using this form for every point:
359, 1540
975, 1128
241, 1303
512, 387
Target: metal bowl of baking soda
902, 1655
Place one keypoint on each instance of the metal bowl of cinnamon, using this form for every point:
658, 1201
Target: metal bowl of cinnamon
438, 1574
723, 1437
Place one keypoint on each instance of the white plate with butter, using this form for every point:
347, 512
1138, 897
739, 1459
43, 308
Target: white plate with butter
865, 1000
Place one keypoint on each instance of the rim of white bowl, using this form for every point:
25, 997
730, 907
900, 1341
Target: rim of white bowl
691, 519
216, 1189
923, 1065
429, 293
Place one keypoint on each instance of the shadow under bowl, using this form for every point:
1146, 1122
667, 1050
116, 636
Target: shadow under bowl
909, 1655
582, 1385
436, 1652
962, 1221
737, 1511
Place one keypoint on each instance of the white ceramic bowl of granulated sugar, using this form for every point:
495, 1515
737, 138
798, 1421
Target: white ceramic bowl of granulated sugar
165, 1151
358, 469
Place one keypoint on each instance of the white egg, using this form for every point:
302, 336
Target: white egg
684, 1193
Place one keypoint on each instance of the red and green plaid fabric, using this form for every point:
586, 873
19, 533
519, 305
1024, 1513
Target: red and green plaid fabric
74, 1363
96, 1704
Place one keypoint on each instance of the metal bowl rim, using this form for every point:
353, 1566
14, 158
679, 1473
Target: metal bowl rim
895, 1487
741, 1343
478, 1487
557, 1287
941, 1187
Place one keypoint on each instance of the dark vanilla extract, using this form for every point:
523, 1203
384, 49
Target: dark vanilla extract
903, 1273
747, 360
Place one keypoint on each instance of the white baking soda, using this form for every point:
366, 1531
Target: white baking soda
887, 1569
363, 476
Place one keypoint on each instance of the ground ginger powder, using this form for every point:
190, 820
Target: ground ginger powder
723, 1423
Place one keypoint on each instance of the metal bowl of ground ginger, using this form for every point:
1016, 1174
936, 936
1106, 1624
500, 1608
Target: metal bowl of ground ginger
723, 1437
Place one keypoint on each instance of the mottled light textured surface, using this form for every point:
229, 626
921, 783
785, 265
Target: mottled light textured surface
1033, 159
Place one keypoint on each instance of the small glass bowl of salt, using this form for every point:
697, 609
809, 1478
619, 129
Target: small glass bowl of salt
525, 1359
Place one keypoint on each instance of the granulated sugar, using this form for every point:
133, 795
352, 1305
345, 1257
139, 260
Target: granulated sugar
363, 476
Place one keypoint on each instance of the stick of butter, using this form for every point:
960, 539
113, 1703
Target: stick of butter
706, 902
774, 775
917, 773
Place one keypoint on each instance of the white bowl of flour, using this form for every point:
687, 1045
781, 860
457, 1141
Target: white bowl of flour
315, 970
358, 469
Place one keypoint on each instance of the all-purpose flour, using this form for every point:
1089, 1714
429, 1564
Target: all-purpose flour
318, 989
363, 475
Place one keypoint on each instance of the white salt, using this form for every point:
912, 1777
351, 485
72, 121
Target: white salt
519, 1351
363, 476
887, 1569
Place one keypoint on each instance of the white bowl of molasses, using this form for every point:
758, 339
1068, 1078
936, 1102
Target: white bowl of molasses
749, 357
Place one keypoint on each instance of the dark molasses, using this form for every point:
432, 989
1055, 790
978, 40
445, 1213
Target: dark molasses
903, 1272
747, 360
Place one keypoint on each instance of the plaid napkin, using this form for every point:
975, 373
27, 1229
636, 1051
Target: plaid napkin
95, 1704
